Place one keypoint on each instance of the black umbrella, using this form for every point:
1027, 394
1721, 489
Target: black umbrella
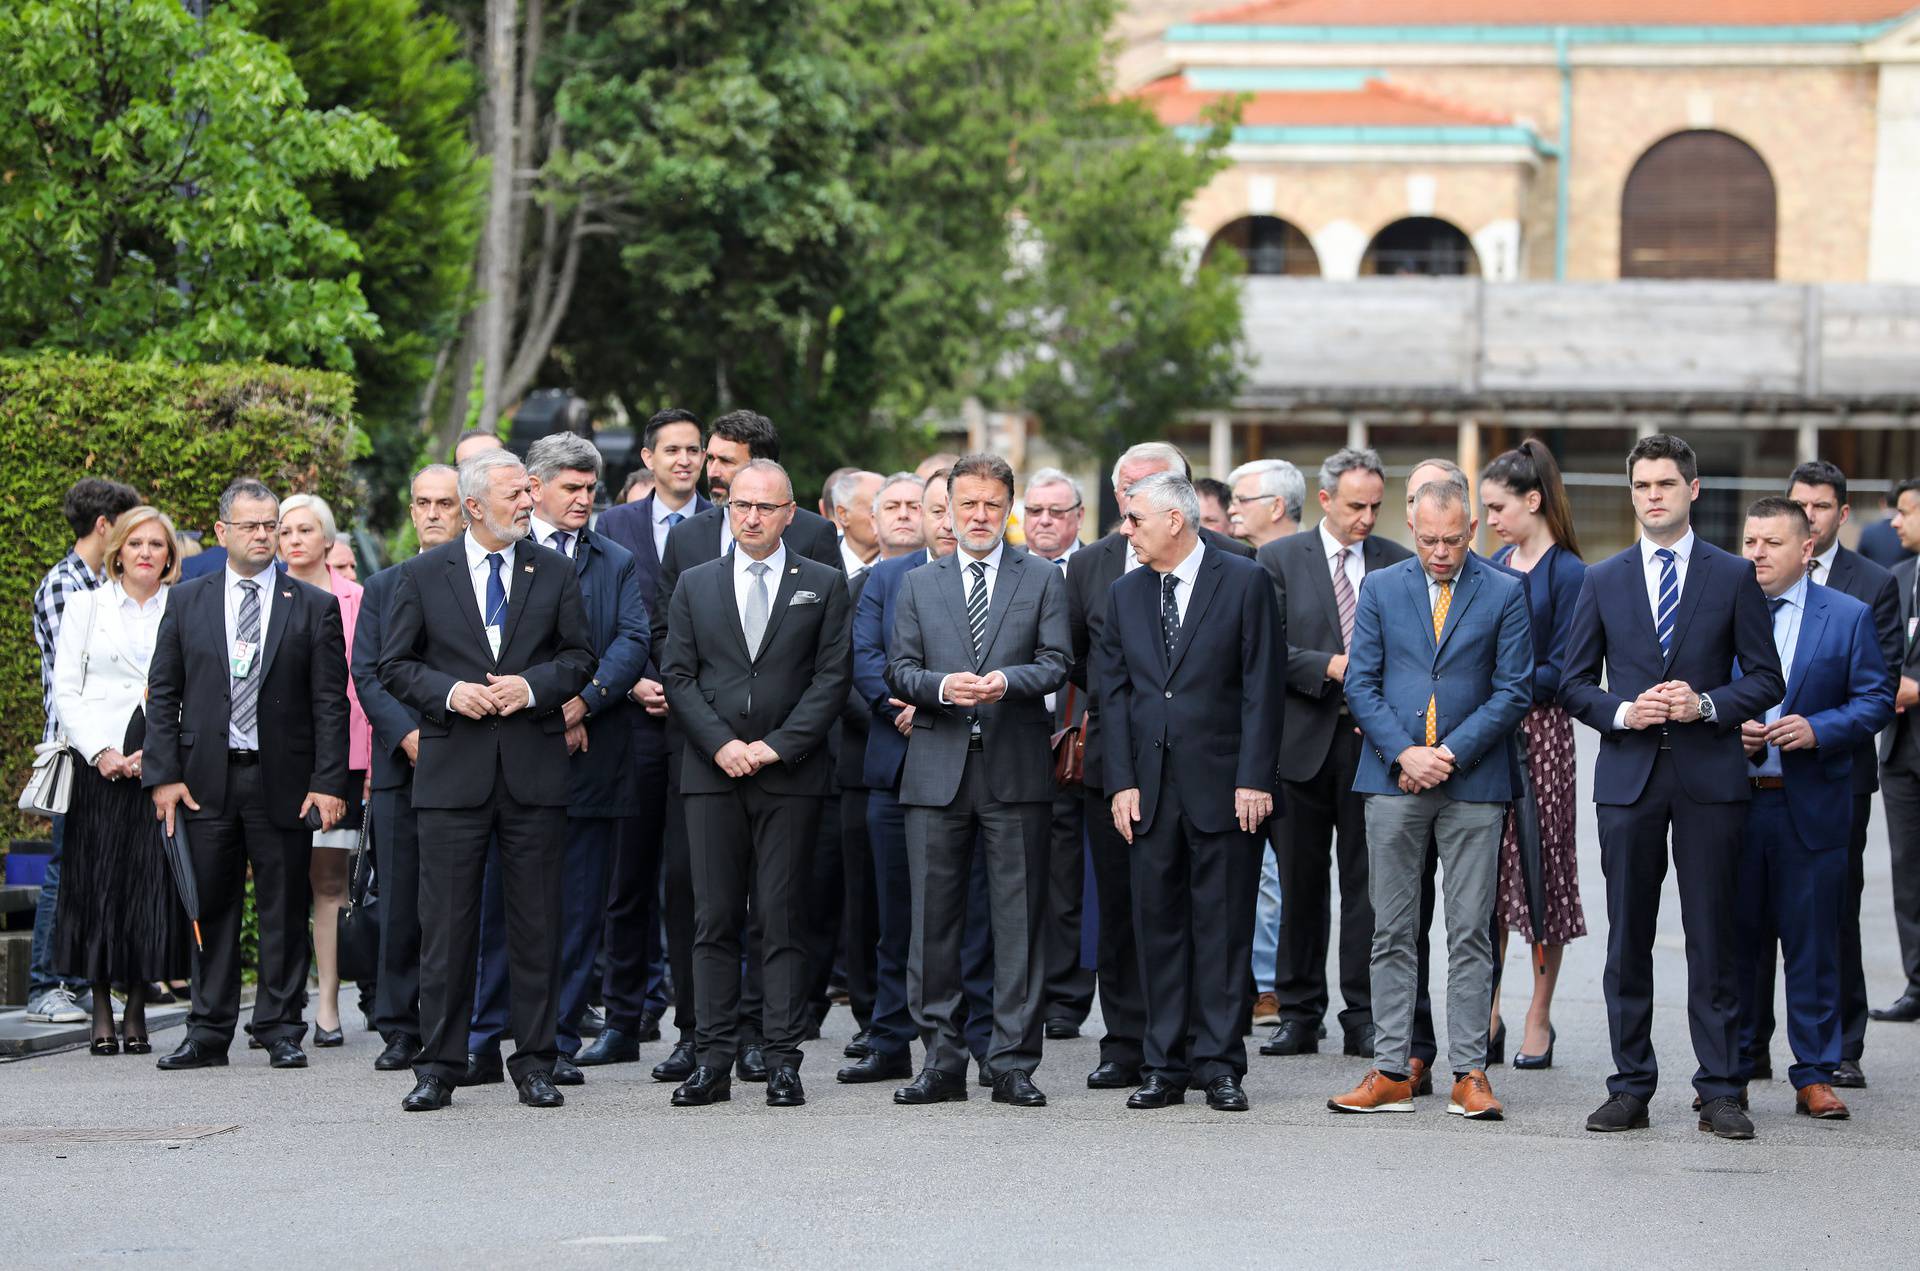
1526, 823
180, 864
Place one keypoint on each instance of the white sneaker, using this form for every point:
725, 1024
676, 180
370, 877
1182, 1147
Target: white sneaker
56, 1006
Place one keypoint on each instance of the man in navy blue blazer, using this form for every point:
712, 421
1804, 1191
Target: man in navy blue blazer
634, 990
1793, 871
562, 470
1665, 621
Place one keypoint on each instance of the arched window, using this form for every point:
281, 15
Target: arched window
1268, 245
1698, 205
1424, 245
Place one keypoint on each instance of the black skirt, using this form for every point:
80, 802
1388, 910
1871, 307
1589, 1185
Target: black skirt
118, 918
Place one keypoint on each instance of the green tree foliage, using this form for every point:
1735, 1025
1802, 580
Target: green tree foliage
152, 173
415, 223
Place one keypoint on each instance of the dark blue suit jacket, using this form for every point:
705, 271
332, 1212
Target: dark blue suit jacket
601, 781
392, 719
1208, 719
1553, 589
631, 526
1880, 543
1722, 616
211, 560
1839, 682
872, 647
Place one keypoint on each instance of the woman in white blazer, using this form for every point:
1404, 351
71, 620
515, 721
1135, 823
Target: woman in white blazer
118, 919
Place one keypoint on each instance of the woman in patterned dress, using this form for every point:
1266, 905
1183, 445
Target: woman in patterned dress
1526, 505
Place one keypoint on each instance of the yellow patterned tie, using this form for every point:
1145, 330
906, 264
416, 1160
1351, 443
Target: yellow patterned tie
1439, 624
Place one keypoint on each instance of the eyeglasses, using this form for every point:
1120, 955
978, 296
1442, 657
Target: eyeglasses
764, 509
1453, 541
248, 528
1241, 500
1035, 512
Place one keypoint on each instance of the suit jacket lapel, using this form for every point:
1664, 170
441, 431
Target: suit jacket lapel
1205, 584
1320, 570
1422, 604
277, 619
1012, 570
1813, 624
525, 575
783, 589
731, 607
462, 583
1689, 600
955, 591
645, 537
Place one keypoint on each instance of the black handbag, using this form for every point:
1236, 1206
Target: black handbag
359, 923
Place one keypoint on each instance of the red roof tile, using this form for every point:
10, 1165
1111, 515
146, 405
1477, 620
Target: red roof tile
1554, 12
1379, 103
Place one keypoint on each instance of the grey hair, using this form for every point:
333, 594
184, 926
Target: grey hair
245, 488
841, 492
766, 465
1278, 478
898, 478
433, 470
1053, 476
1351, 459
1156, 451
559, 452
329, 528
476, 474
1168, 490
1440, 494
1455, 476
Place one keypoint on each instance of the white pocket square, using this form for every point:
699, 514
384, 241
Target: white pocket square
805, 598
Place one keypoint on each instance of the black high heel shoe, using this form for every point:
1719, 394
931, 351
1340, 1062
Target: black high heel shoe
104, 1046
139, 1046
1497, 1046
1521, 1060
328, 1036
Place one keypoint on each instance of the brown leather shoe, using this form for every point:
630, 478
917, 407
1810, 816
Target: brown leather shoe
1419, 1077
1266, 1010
1375, 1093
1473, 1099
1819, 1101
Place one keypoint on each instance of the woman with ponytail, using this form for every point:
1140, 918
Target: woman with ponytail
1526, 506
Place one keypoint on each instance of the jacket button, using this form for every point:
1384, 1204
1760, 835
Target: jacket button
1169, 694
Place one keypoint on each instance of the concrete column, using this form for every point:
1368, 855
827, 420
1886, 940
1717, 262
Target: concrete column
1356, 433
1219, 447
1806, 442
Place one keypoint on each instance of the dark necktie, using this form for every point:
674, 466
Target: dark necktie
1169, 613
246, 690
1343, 597
561, 542
1669, 603
977, 608
496, 591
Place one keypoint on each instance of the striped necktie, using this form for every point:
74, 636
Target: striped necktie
977, 608
1343, 597
1669, 603
245, 711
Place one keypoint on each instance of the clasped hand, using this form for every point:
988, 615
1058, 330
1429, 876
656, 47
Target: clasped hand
1673, 702
963, 688
1424, 767
500, 695
742, 759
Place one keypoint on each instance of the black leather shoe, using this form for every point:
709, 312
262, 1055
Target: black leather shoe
875, 1066
1358, 1042
398, 1055
703, 1086
1760, 1070
858, 1047
254, 1043
567, 1073
1156, 1092
1060, 1030
192, 1054
1723, 1118
1534, 1063
1225, 1095
933, 1086
649, 1029
986, 1074
1846, 1073
286, 1054
784, 1089
1113, 1076
751, 1065
677, 1066
1292, 1037
484, 1071
612, 1046
326, 1038
1619, 1112
1905, 1010
538, 1091
592, 1021
1017, 1088
429, 1094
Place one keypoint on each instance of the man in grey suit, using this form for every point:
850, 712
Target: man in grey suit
980, 638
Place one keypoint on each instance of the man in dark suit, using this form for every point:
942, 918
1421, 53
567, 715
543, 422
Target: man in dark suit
1900, 764
434, 504
635, 989
487, 638
1820, 488
562, 470
1189, 663
1881, 542
247, 728
1792, 871
1318, 574
756, 669
980, 638
1665, 621
1090, 574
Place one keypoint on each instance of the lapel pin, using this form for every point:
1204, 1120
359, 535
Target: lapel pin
526, 569
794, 570
287, 595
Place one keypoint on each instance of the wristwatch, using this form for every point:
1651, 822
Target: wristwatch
1706, 708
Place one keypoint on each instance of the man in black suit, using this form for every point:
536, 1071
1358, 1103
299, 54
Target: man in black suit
757, 667
1900, 763
1190, 663
1820, 488
1318, 574
487, 638
1090, 574
247, 728
635, 988
1682, 633
434, 504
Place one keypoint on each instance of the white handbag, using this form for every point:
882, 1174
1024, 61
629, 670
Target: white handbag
50, 787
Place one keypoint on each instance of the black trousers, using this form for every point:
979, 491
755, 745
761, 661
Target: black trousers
827, 887
396, 856
1325, 823
1069, 986
1123, 1006
749, 842
1194, 895
453, 859
633, 899
859, 906
1707, 843
223, 847
1900, 793
677, 904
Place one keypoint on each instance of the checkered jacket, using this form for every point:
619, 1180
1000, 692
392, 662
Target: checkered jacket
49, 603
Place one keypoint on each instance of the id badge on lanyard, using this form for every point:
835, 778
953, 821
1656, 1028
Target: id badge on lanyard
240, 661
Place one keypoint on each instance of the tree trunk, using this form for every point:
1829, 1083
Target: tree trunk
494, 319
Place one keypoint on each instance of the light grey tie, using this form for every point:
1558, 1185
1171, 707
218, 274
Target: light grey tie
246, 691
755, 619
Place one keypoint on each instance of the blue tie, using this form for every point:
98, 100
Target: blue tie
1669, 605
674, 518
496, 591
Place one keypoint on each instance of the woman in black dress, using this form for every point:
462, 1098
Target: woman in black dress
118, 919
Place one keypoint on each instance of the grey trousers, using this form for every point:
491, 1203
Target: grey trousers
1468, 837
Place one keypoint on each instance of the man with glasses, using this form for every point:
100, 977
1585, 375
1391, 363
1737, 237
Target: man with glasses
1268, 497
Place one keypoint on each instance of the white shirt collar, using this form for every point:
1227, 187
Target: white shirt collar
1825, 559
991, 560
542, 533
1682, 551
131, 605
477, 555
1189, 569
1796, 595
776, 563
661, 511
264, 577
1331, 546
851, 559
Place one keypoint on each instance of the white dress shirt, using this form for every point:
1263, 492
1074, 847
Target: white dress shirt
1186, 572
543, 534
743, 581
850, 561
966, 562
726, 529
477, 573
1650, 566
1356, 558
1786, 640
1820, 568
662, 526
140, 624
249, 739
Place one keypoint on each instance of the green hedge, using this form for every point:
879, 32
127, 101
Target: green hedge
177, 434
